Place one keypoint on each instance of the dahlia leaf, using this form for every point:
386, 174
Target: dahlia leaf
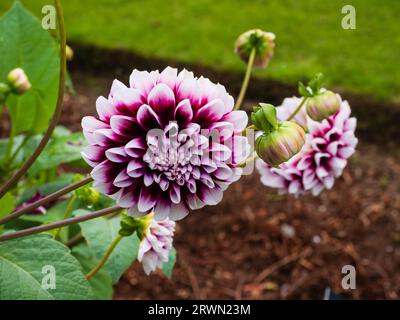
60, 150
38, 267
7, 204
99, 233
101, 283
168, 266
25, 44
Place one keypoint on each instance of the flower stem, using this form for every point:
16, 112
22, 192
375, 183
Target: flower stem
58, 224
104, 259
57, 112
49, 198
297, 109
67, 213
248, 160
246, 80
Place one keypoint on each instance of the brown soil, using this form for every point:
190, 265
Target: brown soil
240, 249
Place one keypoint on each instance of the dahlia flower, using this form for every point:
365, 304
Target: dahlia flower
156, 244
150, 145
328, 146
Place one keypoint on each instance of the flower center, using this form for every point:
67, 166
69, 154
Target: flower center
174, 153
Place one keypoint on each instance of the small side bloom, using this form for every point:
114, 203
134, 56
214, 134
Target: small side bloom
156, 244
328, 146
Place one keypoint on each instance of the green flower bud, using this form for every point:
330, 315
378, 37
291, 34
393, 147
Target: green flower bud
18, 81
87, 194
129, 225
281, 144
263, 117
262, 41
322, 105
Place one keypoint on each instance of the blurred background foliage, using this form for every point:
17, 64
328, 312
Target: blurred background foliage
310, 38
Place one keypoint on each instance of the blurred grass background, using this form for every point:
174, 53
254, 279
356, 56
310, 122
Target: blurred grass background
310, 38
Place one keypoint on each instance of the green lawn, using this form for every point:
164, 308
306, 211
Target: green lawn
309, 35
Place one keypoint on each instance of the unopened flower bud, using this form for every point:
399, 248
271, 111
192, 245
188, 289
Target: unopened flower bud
87, 194
129, 225
18, 81
281, 144
69, 53
323, 105
261, 41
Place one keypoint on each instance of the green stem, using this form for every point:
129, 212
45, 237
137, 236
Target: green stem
67, 213
297, 109
248, 160
51, 197
104, 259
246, 80
57, 112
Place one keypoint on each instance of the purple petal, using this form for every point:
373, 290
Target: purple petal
210, 196
178, 212
143, 81
91, 124
104, 172
183, 112
104, 109
93, 155
147, 199
160, 98
147, 118
211, 112
117, 154
169, 76
239, 120
125, 126
135, 168
136, 147
123, 180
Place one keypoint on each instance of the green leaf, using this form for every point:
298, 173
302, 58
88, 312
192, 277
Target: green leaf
61, 149
22, 270
7, 204
168, 266
99, 233
25, 44
101, 283
303, 90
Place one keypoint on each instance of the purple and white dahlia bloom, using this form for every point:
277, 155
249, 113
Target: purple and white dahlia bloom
156, 244
150, 145
328, 146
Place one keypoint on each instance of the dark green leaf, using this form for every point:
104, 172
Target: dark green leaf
23, 264
24, 43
